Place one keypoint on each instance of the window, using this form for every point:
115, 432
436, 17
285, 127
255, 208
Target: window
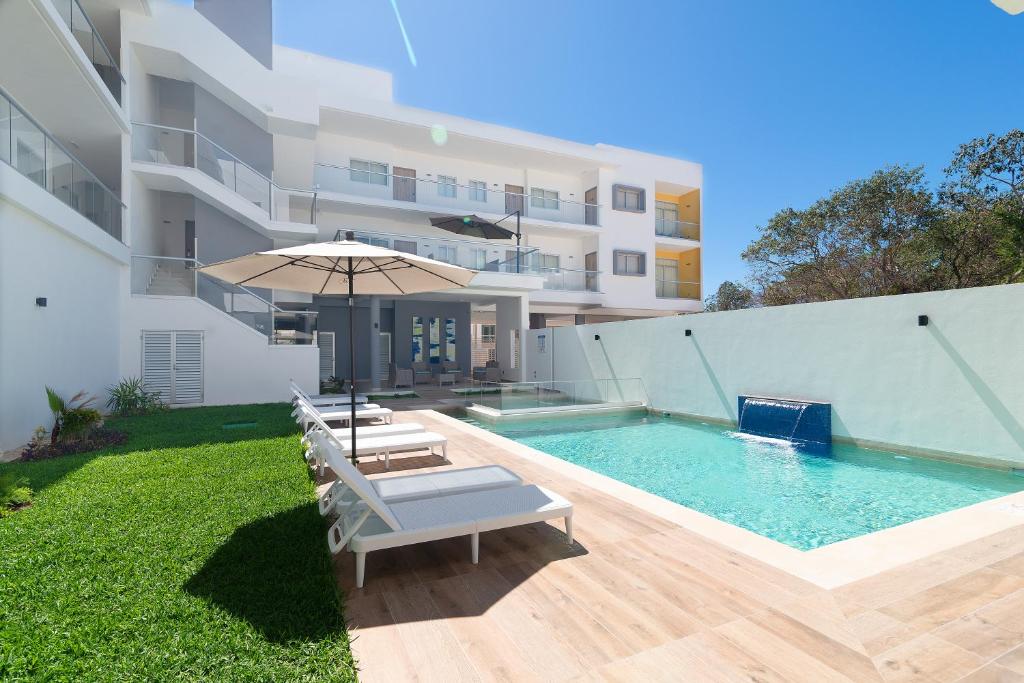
487, 333
666, 218
628, 198
446, 185
447, 254
630, 262
546, 262
408, 246
374, 241
543, 199
478, 190
372, 172
478, 259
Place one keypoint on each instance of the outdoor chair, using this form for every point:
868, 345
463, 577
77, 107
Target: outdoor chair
375, 524
402, 377
337, 500
423, 372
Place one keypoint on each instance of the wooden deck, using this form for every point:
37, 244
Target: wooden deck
640, 599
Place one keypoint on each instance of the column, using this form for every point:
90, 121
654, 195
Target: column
512, 317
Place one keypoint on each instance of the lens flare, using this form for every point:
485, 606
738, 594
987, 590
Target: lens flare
439, 134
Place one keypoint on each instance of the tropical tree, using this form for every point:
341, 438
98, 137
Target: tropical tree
860, 240
731, 296
982, 240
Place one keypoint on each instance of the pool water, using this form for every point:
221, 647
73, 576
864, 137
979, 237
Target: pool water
801, 498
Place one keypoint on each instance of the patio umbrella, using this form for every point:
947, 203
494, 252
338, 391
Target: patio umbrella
342, 267
474, 226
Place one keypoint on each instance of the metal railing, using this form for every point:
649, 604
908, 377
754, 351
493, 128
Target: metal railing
182, 147
485, 256
664, 227
92, 43
452, 195
677, 289
38, 156
480, 255
177, 276
557, 393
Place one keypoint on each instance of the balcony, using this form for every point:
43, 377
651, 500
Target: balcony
92, 44
664, 227
484, 256
436, 195
171, 276
38, 156
183, 148
677, 289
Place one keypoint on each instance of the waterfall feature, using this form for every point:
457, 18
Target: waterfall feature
796, 421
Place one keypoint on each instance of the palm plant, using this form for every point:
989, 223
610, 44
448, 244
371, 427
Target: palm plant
71, 418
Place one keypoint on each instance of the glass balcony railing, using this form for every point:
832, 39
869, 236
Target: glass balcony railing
664, 227
186, 148
95, 49
38, 156
556, 394
172, 276
485, 256
677, 289
452, 196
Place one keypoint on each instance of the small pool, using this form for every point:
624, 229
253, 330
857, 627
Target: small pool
803, 499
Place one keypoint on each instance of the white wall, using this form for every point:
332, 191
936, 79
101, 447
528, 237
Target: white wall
72, 343
239, 366
954, 386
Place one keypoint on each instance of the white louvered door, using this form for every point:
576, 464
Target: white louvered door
188, 367
384, 343
325, 340
172, 365
157, 363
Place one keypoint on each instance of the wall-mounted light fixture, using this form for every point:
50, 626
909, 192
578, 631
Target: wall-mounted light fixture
922, 321
688, 332
597, 337
41, 301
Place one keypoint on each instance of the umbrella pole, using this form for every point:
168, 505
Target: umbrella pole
518, 237
352, 361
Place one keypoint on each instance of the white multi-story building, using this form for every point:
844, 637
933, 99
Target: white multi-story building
140, 137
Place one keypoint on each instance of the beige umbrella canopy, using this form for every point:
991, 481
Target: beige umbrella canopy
342, 267
330, 268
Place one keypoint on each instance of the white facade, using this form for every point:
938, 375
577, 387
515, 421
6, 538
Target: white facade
192, 148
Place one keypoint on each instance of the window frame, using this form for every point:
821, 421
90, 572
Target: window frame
624, 190
478, 191
372, 175
446, 184
543, 198
641, 257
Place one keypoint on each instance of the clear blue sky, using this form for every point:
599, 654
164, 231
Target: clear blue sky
780, 101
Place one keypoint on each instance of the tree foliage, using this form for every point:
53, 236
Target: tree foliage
731, 296
890, 234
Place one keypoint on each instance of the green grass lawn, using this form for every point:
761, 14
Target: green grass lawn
193, 552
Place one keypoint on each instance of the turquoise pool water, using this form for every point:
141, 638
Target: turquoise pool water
803, 499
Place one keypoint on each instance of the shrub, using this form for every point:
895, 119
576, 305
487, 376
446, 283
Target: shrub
129, 397
14, 493
72, 419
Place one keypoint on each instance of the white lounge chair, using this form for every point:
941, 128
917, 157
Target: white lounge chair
303, 414
324, 400
367, 432
395, 443
408, 487
378, 525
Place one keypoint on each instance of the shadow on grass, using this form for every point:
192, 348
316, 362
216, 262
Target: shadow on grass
274, 574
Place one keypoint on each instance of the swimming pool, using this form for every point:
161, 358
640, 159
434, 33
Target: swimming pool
803, 499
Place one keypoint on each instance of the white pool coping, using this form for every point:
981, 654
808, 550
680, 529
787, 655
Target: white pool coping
829, 566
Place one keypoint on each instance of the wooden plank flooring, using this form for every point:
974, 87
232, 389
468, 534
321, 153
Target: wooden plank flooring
637, 598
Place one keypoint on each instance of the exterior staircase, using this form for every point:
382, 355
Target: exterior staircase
170, 281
